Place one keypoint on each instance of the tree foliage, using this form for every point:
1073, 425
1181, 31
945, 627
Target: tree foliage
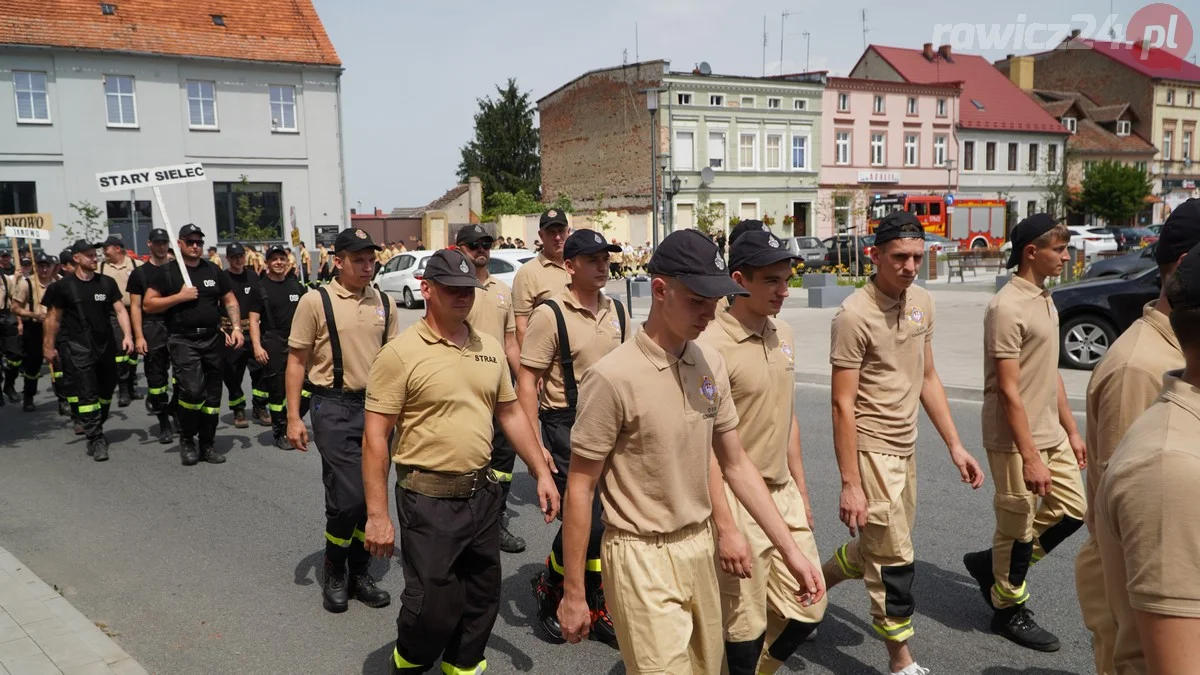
249, 226
1114, 191
511, 204
563, 203
89, 224
504, 151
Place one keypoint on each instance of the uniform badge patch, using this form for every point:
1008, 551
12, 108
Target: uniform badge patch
708, 389
379, 311
599, 240
916, 317
360, 234
500, 297
719, 261
462, 266
552, 213
765, 228
786, 349
616, 323
773, 242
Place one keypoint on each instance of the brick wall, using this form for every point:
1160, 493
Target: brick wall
595, 138
1101, 79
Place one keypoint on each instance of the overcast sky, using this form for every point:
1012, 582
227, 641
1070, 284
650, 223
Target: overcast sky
415, 69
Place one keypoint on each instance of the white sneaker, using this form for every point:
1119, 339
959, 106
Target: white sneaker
913, 669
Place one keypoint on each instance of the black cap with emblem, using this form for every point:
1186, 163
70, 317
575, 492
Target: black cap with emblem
1179, 233
352, 240
471, 234
66, 257
586, 242
758, 249
552, 217
235, 249
1025, 233
43, 258
276, 249
114, 240
693, 258
190, 229
747, 226
159, 234
83, 246
451, 268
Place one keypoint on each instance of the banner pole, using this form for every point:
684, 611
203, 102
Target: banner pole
162, 209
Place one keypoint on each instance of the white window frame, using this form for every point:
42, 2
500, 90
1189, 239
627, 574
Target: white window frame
754, 155
1052, 158
1191, 97
774, 103
1185, 145
912, 146
201, 98
691, 146
962, 164
679, 98
131, 95
799, 104
767, 152
1036, 156
913, 107
1124, 127
724, 150
716, 100
757, 207
879, 142
1071, 124
281, 128
878, 105
940, 144
840, 144
742, 101
941, 107
843, 98
807, 152
32, 94
1168, 143
1170, 97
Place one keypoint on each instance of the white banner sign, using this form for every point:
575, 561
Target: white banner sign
116, 181
27, 233
27, 225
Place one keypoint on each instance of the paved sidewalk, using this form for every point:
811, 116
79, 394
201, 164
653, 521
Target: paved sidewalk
42, 634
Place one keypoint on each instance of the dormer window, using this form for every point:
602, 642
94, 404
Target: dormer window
108, 9
1124, 127
1070, 123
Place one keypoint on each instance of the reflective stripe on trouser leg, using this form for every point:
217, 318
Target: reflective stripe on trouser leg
883, 551
156, 365
233, 372
92, 378
451, 573
274, 379
337, 432
1012, 542
556, 434
258, 385
1061, 512
197, 367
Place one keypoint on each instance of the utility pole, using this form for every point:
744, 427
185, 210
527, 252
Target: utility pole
764, 45
865, 30
807, 51
782, 18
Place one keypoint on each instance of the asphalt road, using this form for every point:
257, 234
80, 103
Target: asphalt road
214, 568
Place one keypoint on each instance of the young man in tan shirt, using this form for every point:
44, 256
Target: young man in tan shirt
764, 624
882, 357
1147, 521
546, 275
1034, 448
1126, 382
651, 413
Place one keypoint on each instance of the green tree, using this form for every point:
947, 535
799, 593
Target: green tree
504, 151
708, 216
510, 204
1114, 191
563, 203
600, 218
249, 216
88, 223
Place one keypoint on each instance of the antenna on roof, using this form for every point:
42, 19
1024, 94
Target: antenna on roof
637, 54
764, 45
865, 29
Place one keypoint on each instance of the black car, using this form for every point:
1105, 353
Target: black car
1093, 312
1129, 263
1129, 238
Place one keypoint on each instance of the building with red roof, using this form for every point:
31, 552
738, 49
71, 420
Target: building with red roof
1009, 147
248, 90
1161, 90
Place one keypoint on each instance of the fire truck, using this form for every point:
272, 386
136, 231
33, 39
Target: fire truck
929, 209
973, 223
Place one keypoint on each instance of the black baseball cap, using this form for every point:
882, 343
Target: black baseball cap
236, 248
586, 242
159, 234
451, 268
352, 240
892, 227
1180, 233
190, 229
276, 249
470, 234
745, 226
83, 246
694, 259
66, 257
114, 240
44, 258
758, 249
25, 260
1024, 234
5, 252
552, 217
1187, 295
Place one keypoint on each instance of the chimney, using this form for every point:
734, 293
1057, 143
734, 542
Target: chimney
1009, 57
1075, 33
928, 51
475, 197
378, 211
944, 52
1020, 71
354, 212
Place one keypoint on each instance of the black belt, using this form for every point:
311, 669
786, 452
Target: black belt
443, 485
194, 332
349, 395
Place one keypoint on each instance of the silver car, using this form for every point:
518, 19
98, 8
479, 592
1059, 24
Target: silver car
808, 249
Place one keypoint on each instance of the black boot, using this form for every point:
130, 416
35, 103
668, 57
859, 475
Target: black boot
334, 597
208, 454
28, 405
187, 451
509, 542
78, 426
979, 566
165, 435
98, 449
742, 657
362, 586
548, 593
239, 418
1017, 624
260, 414
281, 441
10, 388
123, 395
64, 408
602, 625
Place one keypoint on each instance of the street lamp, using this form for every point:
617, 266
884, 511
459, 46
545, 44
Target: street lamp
652, 107
950, 165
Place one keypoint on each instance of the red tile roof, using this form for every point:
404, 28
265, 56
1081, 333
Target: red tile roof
1005, 106
1153, 63
1091, 137
278, 31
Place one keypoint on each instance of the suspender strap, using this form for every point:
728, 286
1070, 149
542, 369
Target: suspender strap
266, 305
29, 302
564, 355
335, 345
620, 316
387, 315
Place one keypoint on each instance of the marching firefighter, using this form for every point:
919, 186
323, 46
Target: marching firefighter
236, 361
195, 340
270, 325
27, 304
118, 264
78, 335
11, 330
337, 331
150, 333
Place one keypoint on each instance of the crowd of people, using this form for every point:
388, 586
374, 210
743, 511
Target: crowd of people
670, 450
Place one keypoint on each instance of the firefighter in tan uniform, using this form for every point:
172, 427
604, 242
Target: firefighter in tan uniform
651, 414
1126, 382
1147, 520
546, 275
437, 389
882, 356
492, 314
215, 258
764, 624
26, 303
1034, 448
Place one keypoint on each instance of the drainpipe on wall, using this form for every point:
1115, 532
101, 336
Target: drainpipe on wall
341, 156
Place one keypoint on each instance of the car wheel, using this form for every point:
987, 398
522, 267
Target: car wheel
1085, 340
409, 301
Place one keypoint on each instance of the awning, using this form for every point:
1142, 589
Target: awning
1151, 199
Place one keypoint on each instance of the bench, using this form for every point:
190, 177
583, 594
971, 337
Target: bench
974, 260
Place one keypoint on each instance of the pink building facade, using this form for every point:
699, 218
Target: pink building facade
883, 138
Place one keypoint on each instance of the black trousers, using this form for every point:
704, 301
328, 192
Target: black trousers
337, 431
157, 364
233, 372
196, 361
556, 433
504, 455
89, 377
31, 357
126, 363
12, 351
451, 554
273, 379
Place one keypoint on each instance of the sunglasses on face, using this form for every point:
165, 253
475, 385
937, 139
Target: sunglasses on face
477, 246
193, 242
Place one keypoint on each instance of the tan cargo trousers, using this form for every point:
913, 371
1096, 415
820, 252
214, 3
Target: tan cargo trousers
1093, 604
882, 555
1025, 530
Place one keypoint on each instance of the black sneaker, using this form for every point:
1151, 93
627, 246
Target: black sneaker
602, 625
548, 595
187, 452
509, 542
979, 566
1017, 625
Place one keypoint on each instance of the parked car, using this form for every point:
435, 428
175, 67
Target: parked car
1134, 261
400, 277
1155, 228
1129, 238
845, 245
1091, 241
1092, 313
947, 245
808, 249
